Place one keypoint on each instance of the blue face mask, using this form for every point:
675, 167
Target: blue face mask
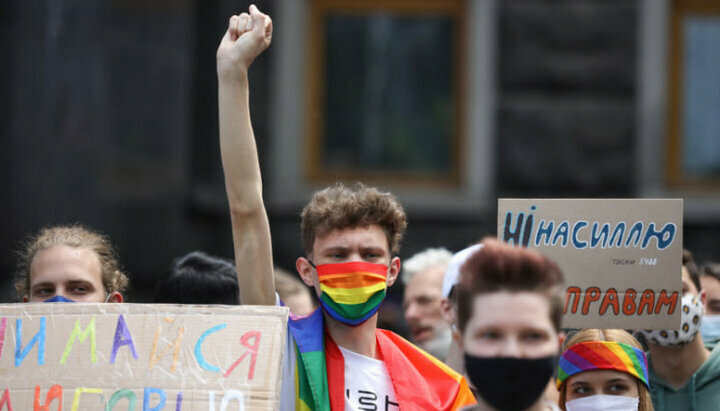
710, 328
58, 299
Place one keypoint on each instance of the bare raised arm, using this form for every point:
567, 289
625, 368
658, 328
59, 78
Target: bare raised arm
247, 36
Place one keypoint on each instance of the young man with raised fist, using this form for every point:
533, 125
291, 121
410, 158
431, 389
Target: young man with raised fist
337, 358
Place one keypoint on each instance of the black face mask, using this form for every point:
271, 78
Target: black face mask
510, 384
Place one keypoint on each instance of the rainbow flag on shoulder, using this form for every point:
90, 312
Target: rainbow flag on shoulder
420, 380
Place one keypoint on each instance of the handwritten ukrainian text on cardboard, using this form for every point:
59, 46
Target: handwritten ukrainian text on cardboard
622, 259
140, 357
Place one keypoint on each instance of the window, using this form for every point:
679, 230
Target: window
378, 109
306, 154
694, 94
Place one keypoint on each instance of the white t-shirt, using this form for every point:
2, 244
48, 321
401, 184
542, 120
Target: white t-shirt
367, 383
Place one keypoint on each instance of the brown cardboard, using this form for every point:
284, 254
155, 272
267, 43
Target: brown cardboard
603, 275
186, 353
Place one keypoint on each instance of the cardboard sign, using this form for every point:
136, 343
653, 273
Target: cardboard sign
622, 259
140, 357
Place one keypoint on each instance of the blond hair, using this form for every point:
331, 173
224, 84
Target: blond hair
621, 336
339, 207
113, 278
288, 285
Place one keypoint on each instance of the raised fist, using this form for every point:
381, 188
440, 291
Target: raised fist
246, 37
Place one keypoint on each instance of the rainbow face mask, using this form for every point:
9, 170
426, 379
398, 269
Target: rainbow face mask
352, 292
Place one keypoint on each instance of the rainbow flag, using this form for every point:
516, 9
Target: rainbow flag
602, 355
352, 291
421, 382
311, 387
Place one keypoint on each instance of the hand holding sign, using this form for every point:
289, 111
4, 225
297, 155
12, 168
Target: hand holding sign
246, 37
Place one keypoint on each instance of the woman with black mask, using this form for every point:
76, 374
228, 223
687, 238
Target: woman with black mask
509, 310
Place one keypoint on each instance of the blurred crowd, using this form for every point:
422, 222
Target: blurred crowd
490, 311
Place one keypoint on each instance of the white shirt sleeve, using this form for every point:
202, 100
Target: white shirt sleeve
287, 389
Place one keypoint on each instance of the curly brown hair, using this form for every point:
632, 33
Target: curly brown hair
340, 206
113, 278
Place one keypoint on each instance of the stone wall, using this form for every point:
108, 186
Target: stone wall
566, 74
110, 112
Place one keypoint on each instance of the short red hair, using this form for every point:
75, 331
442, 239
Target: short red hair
498, 266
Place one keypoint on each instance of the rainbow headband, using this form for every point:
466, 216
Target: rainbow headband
602, 355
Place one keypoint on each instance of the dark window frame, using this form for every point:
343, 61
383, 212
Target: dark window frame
675, 175
318, 11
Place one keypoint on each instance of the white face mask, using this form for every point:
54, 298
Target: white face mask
603, 402
692, 312
710, 328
